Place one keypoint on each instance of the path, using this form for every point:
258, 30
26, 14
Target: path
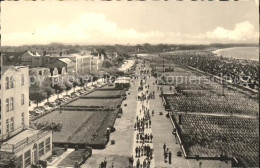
138, 144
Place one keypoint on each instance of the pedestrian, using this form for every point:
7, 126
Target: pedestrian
105, 163
170, 157
150, 123
136, 151
165, 156
138, 163
102, 164
144, 163
139, 151
164, 147
131, 161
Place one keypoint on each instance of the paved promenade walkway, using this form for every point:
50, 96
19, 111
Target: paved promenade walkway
138, 143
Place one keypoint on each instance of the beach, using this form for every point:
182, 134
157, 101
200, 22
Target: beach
250, 53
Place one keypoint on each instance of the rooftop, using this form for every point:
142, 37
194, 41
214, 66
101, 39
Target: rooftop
66, 60
38, 68
24, 134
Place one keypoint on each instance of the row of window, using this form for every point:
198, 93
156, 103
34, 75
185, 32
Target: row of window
27, 155
9, 103
10, 125
9, 82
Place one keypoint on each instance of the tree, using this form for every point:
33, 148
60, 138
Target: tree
107, 64
59, 88
75, 84
81, 83
49, 91
37, 96
68, 86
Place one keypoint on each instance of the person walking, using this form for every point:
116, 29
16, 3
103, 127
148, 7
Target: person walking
164, 147
105, 162
136, 151
131, 161
165, 156
138, 163
170, 157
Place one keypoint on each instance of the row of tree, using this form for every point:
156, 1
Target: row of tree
45, 91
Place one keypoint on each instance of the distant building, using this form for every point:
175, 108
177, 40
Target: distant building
62, 63
16, 139
32, 59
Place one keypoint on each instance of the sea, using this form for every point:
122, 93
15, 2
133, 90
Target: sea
250, 53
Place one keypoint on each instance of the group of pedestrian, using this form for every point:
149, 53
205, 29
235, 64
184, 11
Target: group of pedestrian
167, 154
143, 123
146, 163
144, 150
144, 138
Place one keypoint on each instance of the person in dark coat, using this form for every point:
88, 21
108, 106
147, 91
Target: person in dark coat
138, 163
105, 163
170, 157
164, 147
136, 151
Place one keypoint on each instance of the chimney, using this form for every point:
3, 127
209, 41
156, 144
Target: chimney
180, 117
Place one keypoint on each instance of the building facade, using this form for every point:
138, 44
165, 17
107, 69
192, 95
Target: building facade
16, 138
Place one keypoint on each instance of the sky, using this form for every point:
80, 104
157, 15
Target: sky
118, 22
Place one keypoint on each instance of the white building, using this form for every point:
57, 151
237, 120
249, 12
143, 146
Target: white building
16, 138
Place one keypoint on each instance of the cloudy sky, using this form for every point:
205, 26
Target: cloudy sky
93, 22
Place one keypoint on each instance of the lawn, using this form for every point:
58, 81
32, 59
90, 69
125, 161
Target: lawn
71, 121
70, 160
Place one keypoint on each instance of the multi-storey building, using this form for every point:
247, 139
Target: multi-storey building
16, 138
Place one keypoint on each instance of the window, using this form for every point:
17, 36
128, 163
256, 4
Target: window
27, 158
22, 99
22, 79
11, 103
7, 125
11, 82
19, 161
22, 118
7, 83
41, 149
12, 124
7, 105
48, 145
